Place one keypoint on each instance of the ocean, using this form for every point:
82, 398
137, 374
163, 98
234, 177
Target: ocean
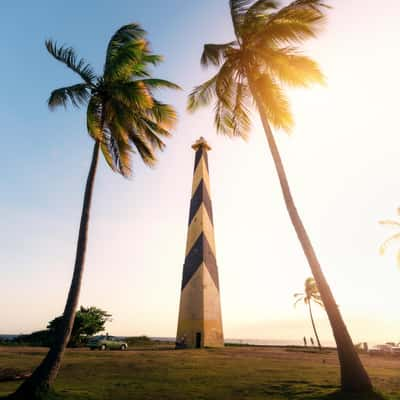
259, 342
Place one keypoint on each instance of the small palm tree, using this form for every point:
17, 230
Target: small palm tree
123, 118
253, 70
391, 239
310, 294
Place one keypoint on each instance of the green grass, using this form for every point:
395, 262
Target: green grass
227, 374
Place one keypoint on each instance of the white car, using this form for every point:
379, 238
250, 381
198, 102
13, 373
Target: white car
381, 349
396, 350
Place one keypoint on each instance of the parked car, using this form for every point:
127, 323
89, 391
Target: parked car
396, 350
106, 342
381, 349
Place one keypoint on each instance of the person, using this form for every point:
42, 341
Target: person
312, 341
305, 341
181, 342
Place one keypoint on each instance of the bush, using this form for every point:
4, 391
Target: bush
39, 338
138, 341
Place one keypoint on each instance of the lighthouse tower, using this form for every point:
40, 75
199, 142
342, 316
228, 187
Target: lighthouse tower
200, 322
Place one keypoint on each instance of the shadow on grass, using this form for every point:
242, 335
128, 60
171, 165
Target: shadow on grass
305, 390
338, 395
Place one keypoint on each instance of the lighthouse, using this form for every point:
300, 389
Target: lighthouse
200, 321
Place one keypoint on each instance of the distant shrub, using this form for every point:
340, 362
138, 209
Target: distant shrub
139, 341
39, 338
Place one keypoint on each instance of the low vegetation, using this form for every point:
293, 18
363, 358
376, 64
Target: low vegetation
88, 322
233, 373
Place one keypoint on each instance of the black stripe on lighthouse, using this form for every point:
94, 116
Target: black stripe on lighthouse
201, 252
200, 197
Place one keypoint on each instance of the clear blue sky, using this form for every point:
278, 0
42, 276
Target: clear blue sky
341, 161
34, 138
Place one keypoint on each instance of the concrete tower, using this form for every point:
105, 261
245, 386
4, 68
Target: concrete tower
200, 323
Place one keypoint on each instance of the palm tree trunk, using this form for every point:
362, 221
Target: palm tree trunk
39, 384
353, 375
313, 325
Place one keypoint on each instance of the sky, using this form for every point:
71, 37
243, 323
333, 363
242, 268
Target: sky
342, 162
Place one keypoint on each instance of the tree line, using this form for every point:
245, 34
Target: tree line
88, 321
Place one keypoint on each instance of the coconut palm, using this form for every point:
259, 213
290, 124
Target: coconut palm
123, 118
391, 239
310, 294
253, 69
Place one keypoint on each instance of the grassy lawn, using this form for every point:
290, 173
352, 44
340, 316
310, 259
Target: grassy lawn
245, 373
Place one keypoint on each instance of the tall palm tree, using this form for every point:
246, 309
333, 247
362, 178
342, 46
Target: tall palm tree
391, 239
310, 294
123, 118
253, 69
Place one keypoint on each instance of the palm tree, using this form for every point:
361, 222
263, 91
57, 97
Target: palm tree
391, 239
310, 294
252, 70
123, 117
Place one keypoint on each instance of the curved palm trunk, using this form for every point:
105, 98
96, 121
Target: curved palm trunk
39, 384
313, 325
353, 375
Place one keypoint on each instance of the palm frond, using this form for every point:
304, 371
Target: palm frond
387, 242
108, 155
290, 68
93, 118
258, 13
317, 5
214, 54
310, 293
225, 84
282, 33
116, 150
140, 129
223, 118
275, 103
132, 94
152, 131
390, 223
298, 301
238, 11
299, 21
233, 98
125, 35
317, 300
241, 122
68, 56
153, 59
128, 54
202, 95
260, 7
163, 114
124, 161
76, 94
309, 11
144, 148
127, 62
160, 84
244, 12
